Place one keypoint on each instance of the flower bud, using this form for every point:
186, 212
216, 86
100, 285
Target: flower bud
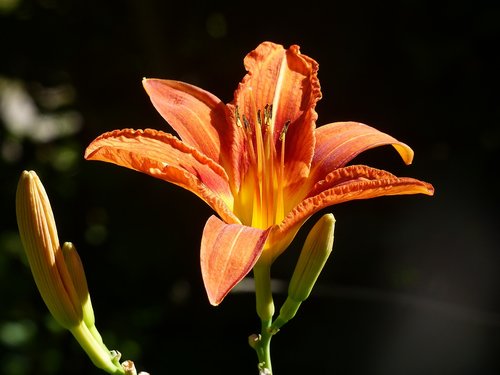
38, 233
58, 273
77, 273
314, 254
75, 268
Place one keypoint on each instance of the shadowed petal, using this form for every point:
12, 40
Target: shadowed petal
198, 116
228, 253
163, 156
342, 185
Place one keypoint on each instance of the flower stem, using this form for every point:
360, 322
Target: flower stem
265, 311
264, 350
101, 357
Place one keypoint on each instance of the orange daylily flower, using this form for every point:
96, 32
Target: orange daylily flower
259, 161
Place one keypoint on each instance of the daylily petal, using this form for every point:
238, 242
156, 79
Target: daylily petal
301, 94
228, 253
198, 116
340, 142
342, 185
163, 156
288, 81
358, 180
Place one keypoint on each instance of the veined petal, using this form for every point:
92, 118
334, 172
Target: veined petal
163, 156
342, 185
288, 81
228, 253
340, 142
198, 116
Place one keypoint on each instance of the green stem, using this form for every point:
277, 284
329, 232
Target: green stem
263, 294
265, 311
264, 350
100, 357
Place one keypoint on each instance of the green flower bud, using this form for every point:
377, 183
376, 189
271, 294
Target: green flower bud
75, 268
315, 252
77, 273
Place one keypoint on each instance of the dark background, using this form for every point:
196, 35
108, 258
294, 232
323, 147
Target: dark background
413, 284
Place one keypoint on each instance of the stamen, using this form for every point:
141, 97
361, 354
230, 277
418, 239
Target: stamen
264, 182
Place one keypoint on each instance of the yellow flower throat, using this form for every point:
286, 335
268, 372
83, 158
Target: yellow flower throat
260, 201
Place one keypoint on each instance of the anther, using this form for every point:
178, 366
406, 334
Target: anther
284, 130
267, 115
247, 124
237, 115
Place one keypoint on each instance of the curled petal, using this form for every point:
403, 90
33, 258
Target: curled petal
340, 142
163, 156
362, 182
228, 253
301, 94
287, 80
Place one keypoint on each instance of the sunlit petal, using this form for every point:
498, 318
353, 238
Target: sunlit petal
198, 116
163, 156
361, 179
340, 142
228, 253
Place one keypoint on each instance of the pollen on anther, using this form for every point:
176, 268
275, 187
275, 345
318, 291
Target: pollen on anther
246, 123
284, 130
270, 111
267, 114
237, 116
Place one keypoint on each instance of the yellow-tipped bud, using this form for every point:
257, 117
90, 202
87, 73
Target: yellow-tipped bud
315, 252
38, 233
75, 268
77, 273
